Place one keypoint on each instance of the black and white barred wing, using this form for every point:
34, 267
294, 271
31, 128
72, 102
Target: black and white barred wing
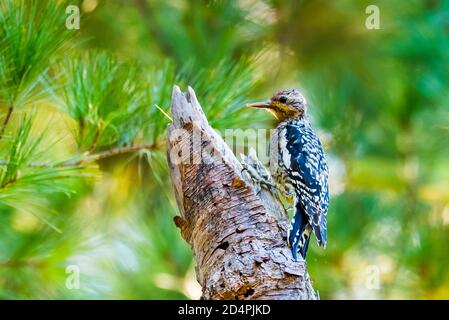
309, 176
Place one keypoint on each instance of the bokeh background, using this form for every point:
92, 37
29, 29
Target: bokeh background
378, 97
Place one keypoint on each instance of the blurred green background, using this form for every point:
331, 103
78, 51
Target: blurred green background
378, 97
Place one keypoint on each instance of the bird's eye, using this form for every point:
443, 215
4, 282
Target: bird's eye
283, 99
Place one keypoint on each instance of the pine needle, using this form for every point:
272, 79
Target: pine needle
164, 113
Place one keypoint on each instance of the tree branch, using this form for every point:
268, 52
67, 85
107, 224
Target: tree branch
95, 140
107, 154
238, 237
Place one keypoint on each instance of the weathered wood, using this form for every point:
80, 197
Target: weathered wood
238, 237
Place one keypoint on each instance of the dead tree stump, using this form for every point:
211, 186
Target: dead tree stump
238, 237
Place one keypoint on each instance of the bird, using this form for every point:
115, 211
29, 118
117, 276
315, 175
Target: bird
299, 167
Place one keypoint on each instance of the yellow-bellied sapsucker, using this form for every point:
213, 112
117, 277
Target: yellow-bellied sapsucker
298, 165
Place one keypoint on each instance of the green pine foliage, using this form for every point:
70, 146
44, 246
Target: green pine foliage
30, 32
106, 98
65, 110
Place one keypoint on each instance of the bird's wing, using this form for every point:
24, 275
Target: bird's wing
309, 174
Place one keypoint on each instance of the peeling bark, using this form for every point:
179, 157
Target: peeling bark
238, 237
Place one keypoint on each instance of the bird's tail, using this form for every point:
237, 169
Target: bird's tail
299, 234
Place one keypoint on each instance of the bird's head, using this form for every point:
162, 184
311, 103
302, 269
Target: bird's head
284, 105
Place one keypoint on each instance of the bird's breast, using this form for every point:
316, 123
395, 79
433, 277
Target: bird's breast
279, 156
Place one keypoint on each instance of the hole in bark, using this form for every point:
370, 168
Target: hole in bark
258, 263
223, 245
249, 292
239, 230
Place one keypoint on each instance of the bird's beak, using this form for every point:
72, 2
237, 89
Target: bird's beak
261, 104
